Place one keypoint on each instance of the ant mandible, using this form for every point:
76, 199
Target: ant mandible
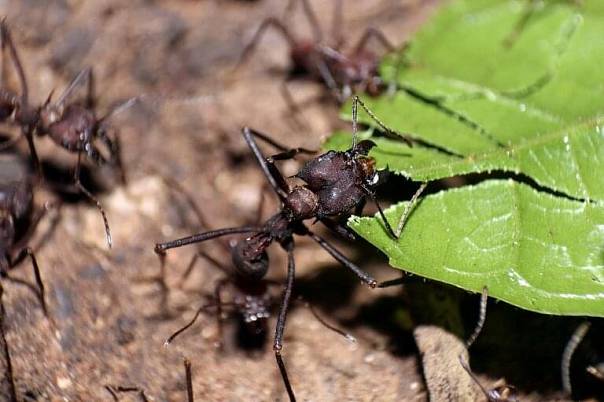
342, 73
73, 126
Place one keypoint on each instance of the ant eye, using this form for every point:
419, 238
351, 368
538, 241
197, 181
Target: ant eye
373, 180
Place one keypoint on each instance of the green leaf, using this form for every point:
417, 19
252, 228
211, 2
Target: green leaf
501, 85
533, 106
534, 250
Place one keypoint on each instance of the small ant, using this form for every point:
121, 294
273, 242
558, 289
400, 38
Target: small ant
251, 296
17, 224
73, 126
499, 393
343, 74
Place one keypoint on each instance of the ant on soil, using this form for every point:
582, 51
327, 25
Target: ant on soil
344, 74
336, 182
17, 224
499, 393
251, 298
73, 125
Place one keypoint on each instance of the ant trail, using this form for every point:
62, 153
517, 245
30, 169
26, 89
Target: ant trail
568, 353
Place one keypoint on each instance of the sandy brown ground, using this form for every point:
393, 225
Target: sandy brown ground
106, 326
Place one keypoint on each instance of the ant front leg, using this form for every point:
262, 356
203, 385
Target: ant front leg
287, 293
114, 146
338, 256
6, 40
80, 186
272, 174
381, 212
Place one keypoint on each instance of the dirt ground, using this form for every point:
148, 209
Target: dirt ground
108, 324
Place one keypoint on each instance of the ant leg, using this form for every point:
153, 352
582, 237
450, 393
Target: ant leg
372, 32
336, 25
160, 248
27, 252
28, 133
80, 186
327, 325
115, 151
218, 297
381, 212
410, 206
250, 47
278, 342
568, 353
330, 81
468, 370
7, 385
272, 174
284, 149
203, 308
224, 268
8, 41
189, 376
338, 228
83, 77
482, 316
364, 276
311, 16
120, 390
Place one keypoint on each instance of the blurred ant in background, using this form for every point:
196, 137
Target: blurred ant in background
18, 221
72, 125
343, 73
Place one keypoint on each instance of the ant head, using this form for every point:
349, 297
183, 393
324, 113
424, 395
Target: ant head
365, 163
249, 263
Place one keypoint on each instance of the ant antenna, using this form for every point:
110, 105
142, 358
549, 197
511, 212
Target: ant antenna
568, 353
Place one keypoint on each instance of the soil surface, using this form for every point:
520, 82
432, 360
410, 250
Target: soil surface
108, 321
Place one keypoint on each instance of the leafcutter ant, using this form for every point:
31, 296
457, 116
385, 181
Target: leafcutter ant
343, 73
17, 224
251, 298
499, 393
72, 125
